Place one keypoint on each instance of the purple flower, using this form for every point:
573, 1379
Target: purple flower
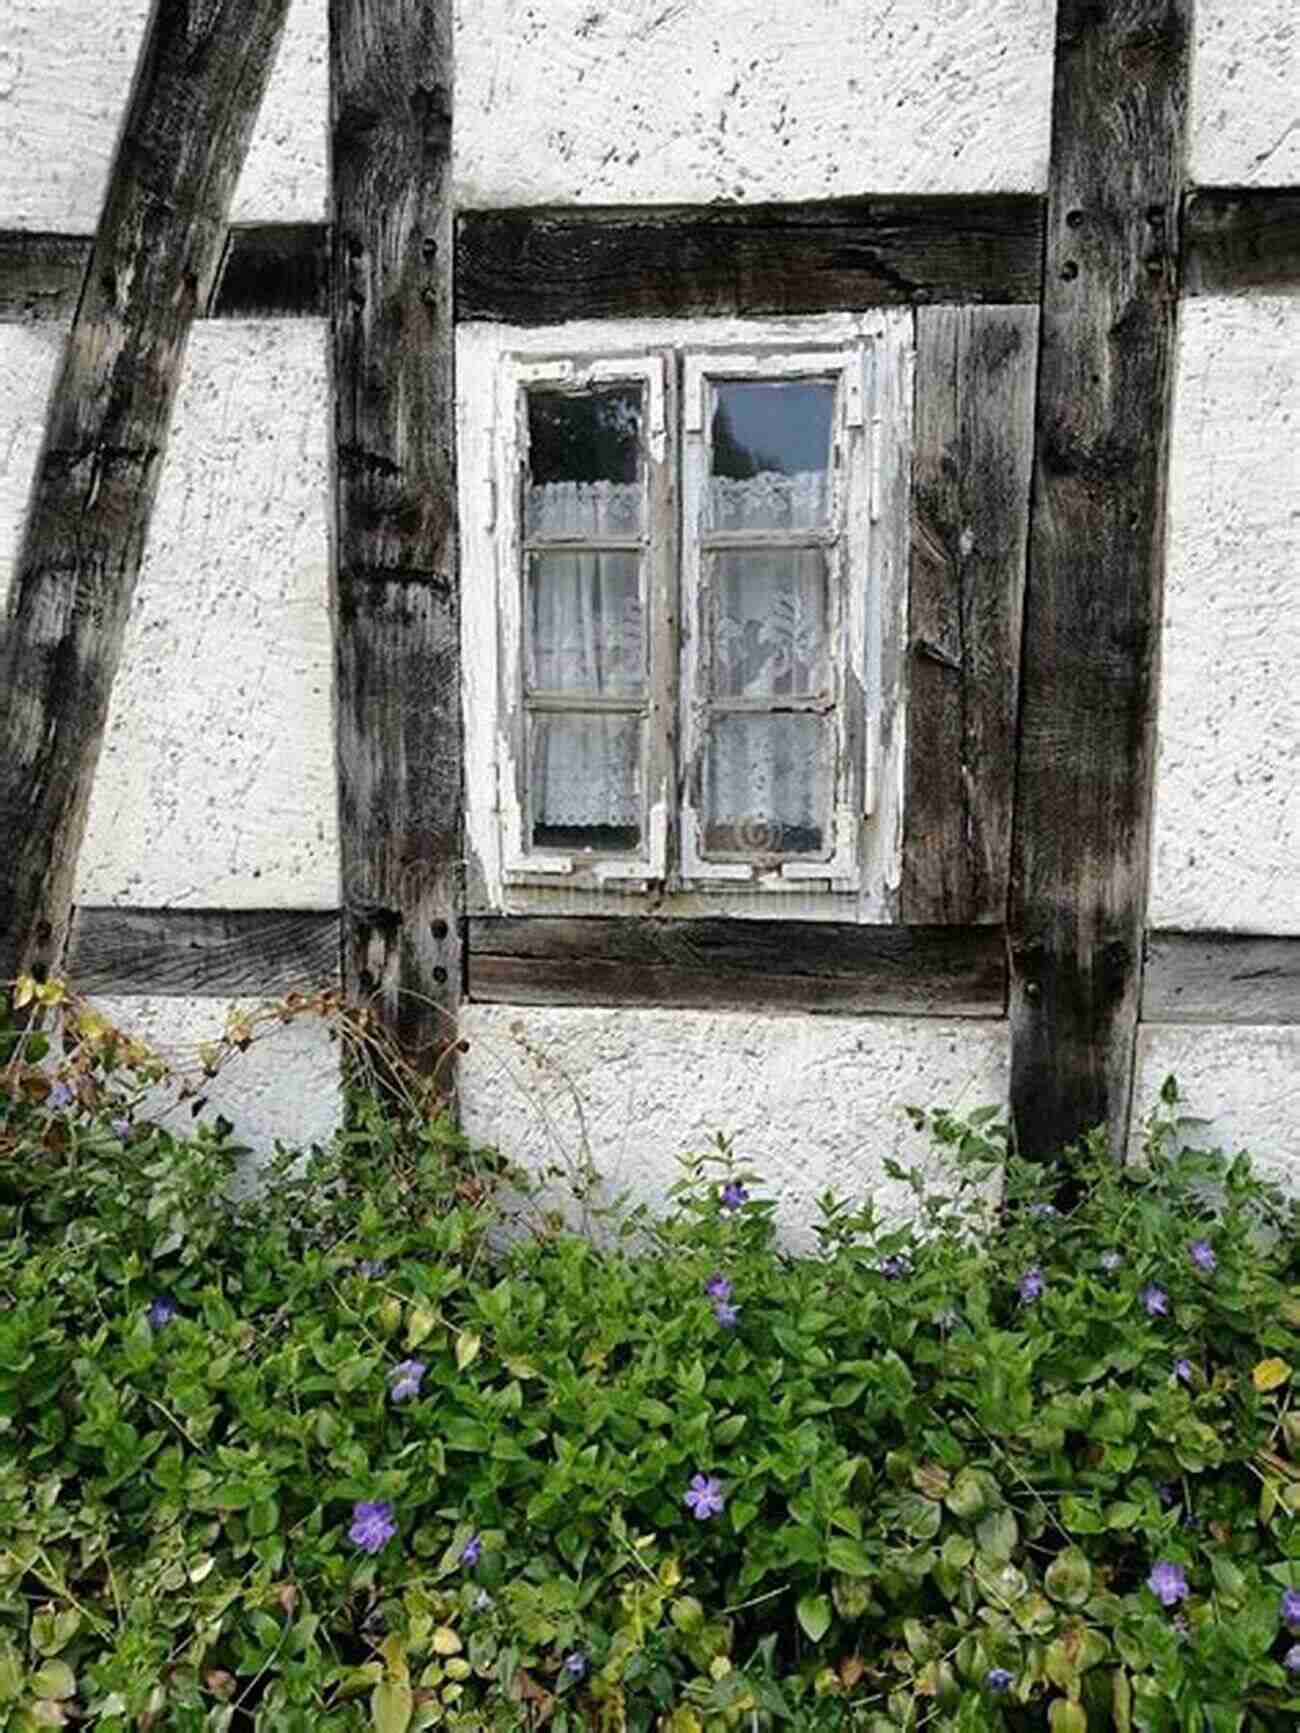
371, 1267
1110, 1262
1156, 1301
1043, 1211
161, 1312
892, 1268
1183, 1370
1167, 1583
472, 1551
120, 1128
404, 1380
575, 1664
718, 1287
734, 1195
372, 1526
1168, 1493
1031, 1283
62, 1095
1291, 1608
725, 1314
1201, 1252
705, 1497
999, 1679
1291, 1660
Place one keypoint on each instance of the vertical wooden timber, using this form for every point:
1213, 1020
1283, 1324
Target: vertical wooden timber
1096, 561
397, 622
197, 90
971, 465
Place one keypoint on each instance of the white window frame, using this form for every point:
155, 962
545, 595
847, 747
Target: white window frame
871, 358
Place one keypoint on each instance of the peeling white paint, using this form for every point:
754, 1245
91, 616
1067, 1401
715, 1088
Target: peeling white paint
812, 1102
1239, 1089
216, 783
655, 101
1227, 821
29, 359
1245, 118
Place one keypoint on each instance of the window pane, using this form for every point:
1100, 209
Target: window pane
586, 781
585, 624
771, 624
770, 462
768, 785
584, 463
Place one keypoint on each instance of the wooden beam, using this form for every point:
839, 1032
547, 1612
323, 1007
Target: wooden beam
1241, 238
1096, 562
1221, 978
205, 953
745, 965
536, 267
270, 271
971, 462
192, 108
397, 615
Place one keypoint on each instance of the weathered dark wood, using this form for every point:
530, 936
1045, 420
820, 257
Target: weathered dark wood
1096, 562
203, 952
271, 271
971, 462
1240, 238
812, 966
192, 108
534, 267
397, 615
1221, 978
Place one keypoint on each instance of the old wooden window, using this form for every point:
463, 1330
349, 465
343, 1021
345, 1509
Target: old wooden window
682, 613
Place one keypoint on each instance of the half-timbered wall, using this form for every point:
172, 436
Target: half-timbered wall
215, 791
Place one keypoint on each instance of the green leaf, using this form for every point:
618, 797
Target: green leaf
849, 1557
467, 1349
966, 1496
997, 1534
1081, 1515
55, 1679
1068, 1578
1067, 1717
391, 1705
814, 1614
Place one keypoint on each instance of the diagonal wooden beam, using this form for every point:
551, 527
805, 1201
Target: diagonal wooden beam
203, 68
397, 620
1096, 563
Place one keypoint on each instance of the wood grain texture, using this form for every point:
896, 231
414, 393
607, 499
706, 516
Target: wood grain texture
1096, 561
177, 953
1237, 239
1221, 978
535, 267
713, 963
197, 91
397, 615
971, 463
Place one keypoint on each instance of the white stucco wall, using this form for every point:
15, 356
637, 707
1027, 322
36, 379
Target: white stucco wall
66, 68
29, 359
812, 1102
1227, 785
1239, 1088
1246, 72
216, 783
656, 101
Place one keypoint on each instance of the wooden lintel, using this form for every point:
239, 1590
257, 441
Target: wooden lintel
203, 953
540, 266
1096, 562
1237, 239
193, 104
1221, 978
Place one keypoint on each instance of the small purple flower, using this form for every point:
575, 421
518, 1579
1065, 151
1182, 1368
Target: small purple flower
161, 1312
1291, 1608
1167, 1583
1183, 1370
575, 1665
62, 1095
725, 1314
1201, 1252
472, 1551
1156, 1301
734, 1195
999, 1679
1179, 1623
1031, 1283
1043, 1211
705, 1497
372, 1526
1291, 1660
892, 1268
718, 1287
1110, 1262
1167, 1493
371, 1267
404, 1380
121, 1128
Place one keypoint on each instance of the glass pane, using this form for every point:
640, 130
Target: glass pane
584, 463
771, 623
586, 781
771, 453
768, 785
585, 623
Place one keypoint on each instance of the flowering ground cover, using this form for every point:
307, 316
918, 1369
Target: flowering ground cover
335, 1457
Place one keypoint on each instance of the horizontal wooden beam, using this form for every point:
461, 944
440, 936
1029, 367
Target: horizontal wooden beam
1221, 978
204, 953
536, 267
267, 271
742, 964
1240, 238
